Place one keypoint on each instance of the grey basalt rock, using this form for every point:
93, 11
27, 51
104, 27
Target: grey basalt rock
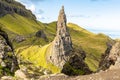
62, 44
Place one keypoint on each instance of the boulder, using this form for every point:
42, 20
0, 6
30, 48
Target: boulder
19, 38
6, 78
21, 75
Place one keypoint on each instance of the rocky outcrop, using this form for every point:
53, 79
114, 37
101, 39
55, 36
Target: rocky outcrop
41, 34
62, 44
8, 61
112, 57
103, 75
11, 7
19, 38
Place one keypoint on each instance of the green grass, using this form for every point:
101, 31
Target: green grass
78, 28
19, 25
37, 55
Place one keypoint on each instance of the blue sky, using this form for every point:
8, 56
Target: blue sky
94, 15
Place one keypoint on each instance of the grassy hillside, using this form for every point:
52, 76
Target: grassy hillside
19, 24
16, 25
34, 48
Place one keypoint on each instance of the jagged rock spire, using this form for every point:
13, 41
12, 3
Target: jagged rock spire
62, 44
62, 31
61, 24
61, 17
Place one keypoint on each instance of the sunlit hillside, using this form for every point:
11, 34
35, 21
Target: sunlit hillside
93, 44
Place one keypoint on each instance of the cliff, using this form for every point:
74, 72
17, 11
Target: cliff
11, 7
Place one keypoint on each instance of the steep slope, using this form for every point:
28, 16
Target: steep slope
19, 24
22, 30
11, 7
19, 27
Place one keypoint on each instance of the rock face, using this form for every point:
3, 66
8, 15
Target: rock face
8, 61
11, 7
19, 38
62, 44
112, 58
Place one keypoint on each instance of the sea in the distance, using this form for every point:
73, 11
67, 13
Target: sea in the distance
110, 33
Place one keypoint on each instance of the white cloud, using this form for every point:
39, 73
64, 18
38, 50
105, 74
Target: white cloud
40, 17
32, 8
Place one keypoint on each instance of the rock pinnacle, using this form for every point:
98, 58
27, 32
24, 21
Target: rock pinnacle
62, 44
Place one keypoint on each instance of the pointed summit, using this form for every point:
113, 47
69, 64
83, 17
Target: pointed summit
62, 10
61, 24
63, 7
61, 18
62, 44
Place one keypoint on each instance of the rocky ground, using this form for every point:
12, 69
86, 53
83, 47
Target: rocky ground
102, 75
